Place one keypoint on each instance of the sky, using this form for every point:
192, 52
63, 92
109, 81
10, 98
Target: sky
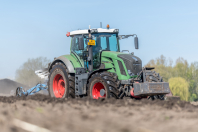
34, 28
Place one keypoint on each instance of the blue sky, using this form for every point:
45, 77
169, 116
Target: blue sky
33, 28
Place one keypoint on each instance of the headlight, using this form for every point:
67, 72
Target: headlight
130, 73
94, 30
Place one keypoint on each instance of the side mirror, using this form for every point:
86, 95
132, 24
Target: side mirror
136, 42
81, 43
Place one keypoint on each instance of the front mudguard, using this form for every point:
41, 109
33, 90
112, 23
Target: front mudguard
151, 88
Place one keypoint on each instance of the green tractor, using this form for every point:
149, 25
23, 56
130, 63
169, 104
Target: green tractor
97, 68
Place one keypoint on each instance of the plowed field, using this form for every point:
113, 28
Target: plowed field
83, 115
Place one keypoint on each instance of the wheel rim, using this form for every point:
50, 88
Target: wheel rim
96, 91
58, 86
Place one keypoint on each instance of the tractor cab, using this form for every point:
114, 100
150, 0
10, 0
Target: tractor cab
103, 40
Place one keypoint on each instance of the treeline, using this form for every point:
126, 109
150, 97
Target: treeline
182, 76
25, 74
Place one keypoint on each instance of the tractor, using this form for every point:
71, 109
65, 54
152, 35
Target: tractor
97, 68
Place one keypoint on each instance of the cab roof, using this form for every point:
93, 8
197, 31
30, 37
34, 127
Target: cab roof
94, 30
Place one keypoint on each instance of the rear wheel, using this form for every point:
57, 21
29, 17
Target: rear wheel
71, 85
103, 85
58, 85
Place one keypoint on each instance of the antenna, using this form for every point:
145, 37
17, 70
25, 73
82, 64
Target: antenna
100, 24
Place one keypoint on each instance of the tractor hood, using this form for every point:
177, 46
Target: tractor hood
132, 63
111, 54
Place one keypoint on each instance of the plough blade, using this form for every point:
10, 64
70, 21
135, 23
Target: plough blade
42, 73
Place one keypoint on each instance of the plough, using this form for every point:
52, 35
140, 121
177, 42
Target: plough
22, 92
43, 74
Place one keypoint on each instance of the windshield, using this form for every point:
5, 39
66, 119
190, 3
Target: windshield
104, 41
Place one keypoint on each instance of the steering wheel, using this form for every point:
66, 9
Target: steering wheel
98, 48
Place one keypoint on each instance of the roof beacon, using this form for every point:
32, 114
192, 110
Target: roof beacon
108, 26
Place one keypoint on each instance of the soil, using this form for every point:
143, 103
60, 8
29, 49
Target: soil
103, 115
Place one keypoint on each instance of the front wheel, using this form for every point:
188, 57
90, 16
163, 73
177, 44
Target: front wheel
160, 97
58, 85
98, 88
102, 85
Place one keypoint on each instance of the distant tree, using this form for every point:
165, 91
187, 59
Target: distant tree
26, 73
162, 66
181, 68
179, 87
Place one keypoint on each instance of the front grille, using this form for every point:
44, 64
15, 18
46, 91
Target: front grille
132, 63
122, 71
128, 64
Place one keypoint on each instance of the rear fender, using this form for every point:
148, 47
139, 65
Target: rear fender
69, 61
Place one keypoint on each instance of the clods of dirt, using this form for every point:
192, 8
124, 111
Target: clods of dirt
117, 102
103, 115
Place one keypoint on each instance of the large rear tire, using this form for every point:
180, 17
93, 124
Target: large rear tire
71, 85
58, 85
103, 85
